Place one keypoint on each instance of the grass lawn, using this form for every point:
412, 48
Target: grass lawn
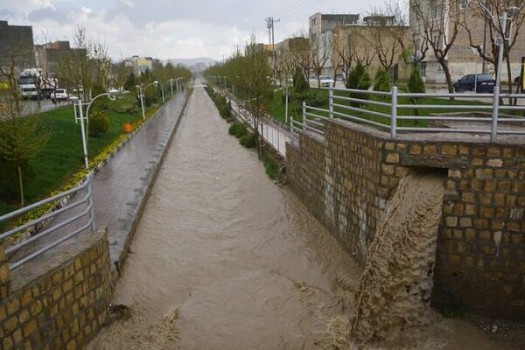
62, 156
276, 107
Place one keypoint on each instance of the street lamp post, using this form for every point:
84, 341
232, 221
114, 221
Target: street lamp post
141, 101
141, 92
162, 88
111, 95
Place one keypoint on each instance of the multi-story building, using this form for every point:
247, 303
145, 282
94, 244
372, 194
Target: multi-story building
16, 45
377, 43
139, 64
321, 27
50, 55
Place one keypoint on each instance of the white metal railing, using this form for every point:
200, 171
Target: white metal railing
390, 111
272, 132
76, 222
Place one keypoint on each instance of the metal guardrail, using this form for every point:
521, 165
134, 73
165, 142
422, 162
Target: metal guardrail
85, 205
384, 111
272, 132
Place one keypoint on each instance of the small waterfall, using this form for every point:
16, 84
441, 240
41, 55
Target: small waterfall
395, 287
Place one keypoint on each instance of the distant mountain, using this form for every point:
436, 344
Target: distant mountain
192, 62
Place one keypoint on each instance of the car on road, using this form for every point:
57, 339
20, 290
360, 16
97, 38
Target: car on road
479, 83
326, 81
59, 95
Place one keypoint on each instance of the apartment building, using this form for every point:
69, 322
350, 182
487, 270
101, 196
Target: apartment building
49, 56
320, 32
16, 43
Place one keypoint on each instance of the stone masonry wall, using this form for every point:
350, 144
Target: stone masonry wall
347, 177
60, 310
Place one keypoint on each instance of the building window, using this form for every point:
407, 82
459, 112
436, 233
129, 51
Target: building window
423, 69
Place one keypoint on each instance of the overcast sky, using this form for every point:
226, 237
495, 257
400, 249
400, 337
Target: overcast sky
172, 28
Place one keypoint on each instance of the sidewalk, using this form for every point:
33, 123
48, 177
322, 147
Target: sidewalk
120, 188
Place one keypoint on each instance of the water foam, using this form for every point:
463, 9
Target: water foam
395, 287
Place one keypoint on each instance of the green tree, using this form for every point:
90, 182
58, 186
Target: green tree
358, 79
415, 85
130, 83
98, 123
299, 81
382, 80
20, 139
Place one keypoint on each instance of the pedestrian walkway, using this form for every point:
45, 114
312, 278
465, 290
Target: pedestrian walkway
119, 189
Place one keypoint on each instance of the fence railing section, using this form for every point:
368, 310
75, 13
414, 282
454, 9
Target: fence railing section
271, 131
396, 112
77, 216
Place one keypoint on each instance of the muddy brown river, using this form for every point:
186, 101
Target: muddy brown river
223, 258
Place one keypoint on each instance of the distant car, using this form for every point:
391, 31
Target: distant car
479, 83
59, 95
326, 81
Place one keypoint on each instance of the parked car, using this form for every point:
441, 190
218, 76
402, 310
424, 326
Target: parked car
59, 95
480, 83
326, 81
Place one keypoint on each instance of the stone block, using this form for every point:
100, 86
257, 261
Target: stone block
452, 221
494, 152
12, 306
449, 150
495, 163
465, 222
392, 158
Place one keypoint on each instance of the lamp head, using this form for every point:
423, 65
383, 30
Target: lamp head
155, 83
74, 99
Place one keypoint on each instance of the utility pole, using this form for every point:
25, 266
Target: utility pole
271, 38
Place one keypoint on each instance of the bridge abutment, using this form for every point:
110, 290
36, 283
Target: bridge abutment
346, 178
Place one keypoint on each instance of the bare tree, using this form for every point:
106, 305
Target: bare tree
388, 32
488, 13
86, 65
320, 47
438, 22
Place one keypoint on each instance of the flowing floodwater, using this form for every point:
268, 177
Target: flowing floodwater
225, 259
396, 284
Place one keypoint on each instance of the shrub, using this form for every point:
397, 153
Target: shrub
238, 129
249, 140
98, 123
271, 168
358, 79
382, 81
415, 83
299, 81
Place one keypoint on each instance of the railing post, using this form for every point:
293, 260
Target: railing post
304, 115
393, 116
495, 111
331, 102
91, 204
